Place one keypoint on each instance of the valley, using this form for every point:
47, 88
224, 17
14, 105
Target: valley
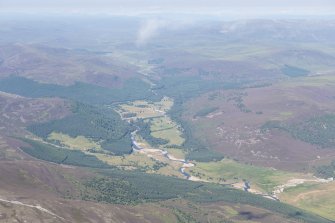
217, 121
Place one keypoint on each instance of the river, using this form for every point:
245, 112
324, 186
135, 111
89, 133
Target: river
186, 164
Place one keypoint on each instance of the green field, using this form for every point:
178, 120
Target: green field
165, 128
226, 171
134, 161
145, 109
78, 142
318, 198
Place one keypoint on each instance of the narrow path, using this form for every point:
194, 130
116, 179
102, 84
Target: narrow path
38, 207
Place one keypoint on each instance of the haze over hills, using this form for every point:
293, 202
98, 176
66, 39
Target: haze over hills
160, 118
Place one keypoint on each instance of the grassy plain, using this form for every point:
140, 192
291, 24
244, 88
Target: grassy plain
129, 162
165, 128
79, 142
318, 198
177, 153
228, 171
145, 109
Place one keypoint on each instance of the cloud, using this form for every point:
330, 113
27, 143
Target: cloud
151, 28
148, 30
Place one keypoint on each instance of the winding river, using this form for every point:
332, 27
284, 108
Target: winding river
136, 148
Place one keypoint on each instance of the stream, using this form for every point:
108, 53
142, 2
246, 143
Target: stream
136, 148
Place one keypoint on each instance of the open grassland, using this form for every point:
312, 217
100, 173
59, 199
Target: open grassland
170, 171
165, 104
173, 135
229, 171
314, 197
139, 110
165, 128
177, 153
78, 142
129, 162
145, 109
161, 124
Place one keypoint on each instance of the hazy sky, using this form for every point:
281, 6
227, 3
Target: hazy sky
196, 6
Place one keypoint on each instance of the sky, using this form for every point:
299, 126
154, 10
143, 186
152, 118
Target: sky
252, 7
